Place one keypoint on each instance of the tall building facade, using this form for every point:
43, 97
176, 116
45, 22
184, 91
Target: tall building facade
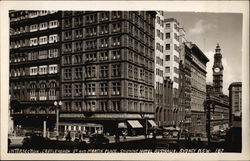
99, 64
235, 99
159, 69
198, 89
107, 67
34, 67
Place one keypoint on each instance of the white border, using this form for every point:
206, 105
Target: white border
197, 6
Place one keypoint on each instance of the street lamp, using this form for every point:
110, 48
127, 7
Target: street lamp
57, 105
208, 106
146, 116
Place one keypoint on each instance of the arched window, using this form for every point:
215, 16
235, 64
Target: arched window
42, 92
33, 92
42, 110
52, 91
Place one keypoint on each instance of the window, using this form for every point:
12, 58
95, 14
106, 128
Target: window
104, 42
168, 35
77, 90
167, 58
53, 69
33, 70
91, 105
53, 53
91, 31
116, 105
67, 74
141, 91
135, 72
67, 47
167, 46
116, 41
53, 38
91, 71
43, 40
34, 28
78, 59
33, 14
130, 89
43, 54
43, 69
78, 33
33, 92
78, 73
116, 88
116, 54
33, 41
176, 80
90, 44
103, 55
176, 70
78, 46
168, 26
67, 35
116, 27
104, 16
67, 23
167, 69
104, 71
116, 70
42, 13
103, 105
42, 92
43, 26
52, 91
116, 14
78, 21
176, 37
91, 57
176, 59
91, 19
67, 60
103, 88
67, 90
135, 90
130, 71
104, 29
91, 89
176, 47
53, 24
141, 74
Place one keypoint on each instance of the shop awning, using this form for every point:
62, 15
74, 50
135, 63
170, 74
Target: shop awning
135, 123
122, 125
153, 124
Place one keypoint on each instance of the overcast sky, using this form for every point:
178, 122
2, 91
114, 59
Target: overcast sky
208, 29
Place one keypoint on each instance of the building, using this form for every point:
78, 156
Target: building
220, 113
34, 68
235, 100
198, 89
107, 68
218, 71
174, 37
159, 69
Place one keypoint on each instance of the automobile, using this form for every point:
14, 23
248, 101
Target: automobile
34, 140
98, 139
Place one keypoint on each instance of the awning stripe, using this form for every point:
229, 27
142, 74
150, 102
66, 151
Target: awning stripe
135, 124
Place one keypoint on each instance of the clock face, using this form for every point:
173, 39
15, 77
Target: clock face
216, 70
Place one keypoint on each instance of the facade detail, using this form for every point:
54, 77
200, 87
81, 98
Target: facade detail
235, 99
34, 67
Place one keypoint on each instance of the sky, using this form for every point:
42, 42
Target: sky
208, 29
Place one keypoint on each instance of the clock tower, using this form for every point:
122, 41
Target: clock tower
218, 71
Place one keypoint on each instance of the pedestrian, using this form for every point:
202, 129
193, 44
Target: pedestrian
124, 133
199, 143
68, 137
117, 137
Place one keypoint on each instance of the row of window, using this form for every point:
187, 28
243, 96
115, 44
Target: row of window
91, 89
44, 69
139, 73
29, 14
44, 40
44, 26
176, 48
159, 72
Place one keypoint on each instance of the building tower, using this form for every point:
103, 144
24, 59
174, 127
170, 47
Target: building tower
218, 71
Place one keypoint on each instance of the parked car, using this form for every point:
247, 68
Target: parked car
34, 140
98, 139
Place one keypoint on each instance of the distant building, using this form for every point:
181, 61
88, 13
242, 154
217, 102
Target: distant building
159, 69
235, 97
198, 89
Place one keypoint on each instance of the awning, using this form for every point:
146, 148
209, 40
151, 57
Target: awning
122, 125
135, 123
153, 124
